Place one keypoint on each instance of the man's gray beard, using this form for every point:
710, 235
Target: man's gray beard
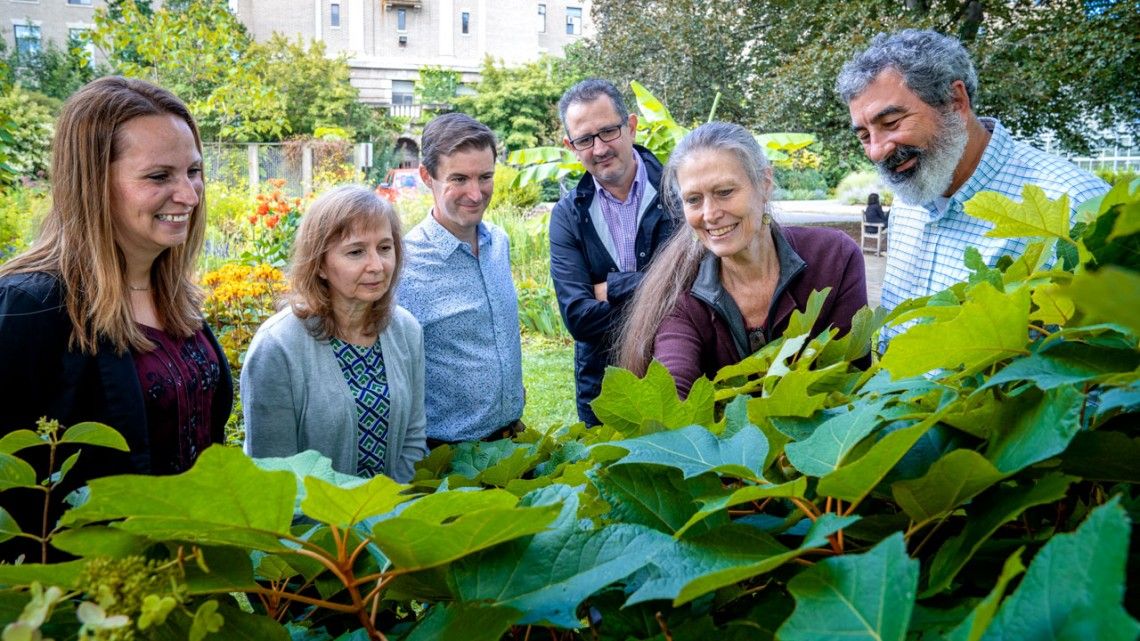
936, 165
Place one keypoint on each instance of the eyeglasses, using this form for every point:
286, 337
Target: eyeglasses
607, 134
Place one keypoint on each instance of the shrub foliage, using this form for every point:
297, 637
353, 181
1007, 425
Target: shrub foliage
977, 482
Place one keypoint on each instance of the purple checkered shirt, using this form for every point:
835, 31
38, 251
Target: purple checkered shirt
621, 217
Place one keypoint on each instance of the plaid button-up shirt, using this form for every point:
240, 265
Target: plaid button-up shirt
928, 244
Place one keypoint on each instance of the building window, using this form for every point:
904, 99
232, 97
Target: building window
401, 19
403, 92
80, 38
465, 20
27, 40
334, 14
574, 21
85, 3
542, 18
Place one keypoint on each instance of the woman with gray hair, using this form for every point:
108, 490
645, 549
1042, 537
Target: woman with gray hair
341, 371
720, 293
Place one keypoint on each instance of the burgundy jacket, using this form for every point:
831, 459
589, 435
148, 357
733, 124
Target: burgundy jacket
706, 331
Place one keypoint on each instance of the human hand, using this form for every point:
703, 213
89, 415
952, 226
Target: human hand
600, 291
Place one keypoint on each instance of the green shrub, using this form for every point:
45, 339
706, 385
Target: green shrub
21, 210
1112, 176
854, 189
506, 194
32, 117
976, 481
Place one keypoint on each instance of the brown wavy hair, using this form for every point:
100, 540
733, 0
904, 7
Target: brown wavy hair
77, 241
336, 214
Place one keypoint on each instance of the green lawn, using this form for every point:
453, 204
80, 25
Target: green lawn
548, 374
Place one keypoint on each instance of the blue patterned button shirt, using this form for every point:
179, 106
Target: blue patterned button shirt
927, 245
470, 314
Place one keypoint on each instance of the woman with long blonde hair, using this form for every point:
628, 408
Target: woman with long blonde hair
100, 319
720, 292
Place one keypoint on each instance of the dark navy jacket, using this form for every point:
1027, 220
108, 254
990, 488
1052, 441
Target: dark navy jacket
578, 259
41, 376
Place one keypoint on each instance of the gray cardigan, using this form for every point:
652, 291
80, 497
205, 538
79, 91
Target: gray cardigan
294, 396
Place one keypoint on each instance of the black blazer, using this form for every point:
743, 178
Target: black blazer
41, 376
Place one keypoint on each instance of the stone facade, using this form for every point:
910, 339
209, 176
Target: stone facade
23, 22
388, 41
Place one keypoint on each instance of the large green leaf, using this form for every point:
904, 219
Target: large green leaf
345, 507
1103, 456
467, 621
8, 526
651, 108
651, 495
1044, 430
65, 575
95, 434
986, 515
855, 480
695, 450
823, 451
855, 596
15, 472
694, 567
13, 442
629, 404
1035, 215
99, 540
972, 628
1110, 294
951, 481
991, 326
546, 576
1074, 577
223, 500
449, 525
713, 504
1066, 363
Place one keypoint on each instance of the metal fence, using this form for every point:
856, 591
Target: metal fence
1117, 159
250, 164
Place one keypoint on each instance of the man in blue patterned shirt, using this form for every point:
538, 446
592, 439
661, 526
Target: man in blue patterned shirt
911, 96
457, 283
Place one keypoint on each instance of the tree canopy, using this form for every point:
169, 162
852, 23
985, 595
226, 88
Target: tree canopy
236, 88
774, 62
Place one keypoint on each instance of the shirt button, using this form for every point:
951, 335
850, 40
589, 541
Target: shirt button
642, 254
613, 269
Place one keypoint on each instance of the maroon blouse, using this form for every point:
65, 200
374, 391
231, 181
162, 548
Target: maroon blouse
179, 379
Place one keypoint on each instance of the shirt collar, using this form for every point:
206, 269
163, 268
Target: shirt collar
444, 240
638, 179
993, 158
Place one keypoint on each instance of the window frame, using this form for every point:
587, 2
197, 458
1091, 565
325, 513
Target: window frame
573, 28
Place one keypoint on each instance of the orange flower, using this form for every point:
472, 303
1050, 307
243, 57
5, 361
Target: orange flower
253, 219
263, 209
271, 222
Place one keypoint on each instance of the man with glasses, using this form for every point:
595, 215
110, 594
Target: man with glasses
604, 232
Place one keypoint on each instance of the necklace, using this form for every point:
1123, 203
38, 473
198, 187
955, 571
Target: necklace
138, 289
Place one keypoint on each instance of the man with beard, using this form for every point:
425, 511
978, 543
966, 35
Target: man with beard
457, 283
605, 231
911, 96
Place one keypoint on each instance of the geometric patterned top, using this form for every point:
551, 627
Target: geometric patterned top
363, 369
927, 244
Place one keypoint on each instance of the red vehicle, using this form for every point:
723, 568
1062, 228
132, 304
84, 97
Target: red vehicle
402, 182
